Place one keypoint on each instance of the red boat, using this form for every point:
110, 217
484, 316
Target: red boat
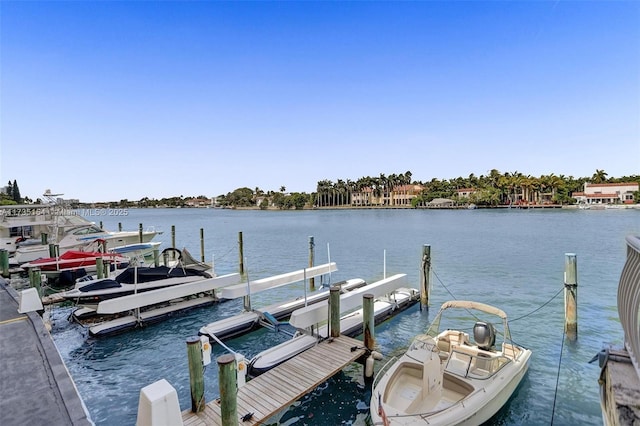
77, 263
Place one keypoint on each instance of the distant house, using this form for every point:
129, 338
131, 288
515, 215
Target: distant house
400, 195
607, 193
198, 202
465, 192
440, 203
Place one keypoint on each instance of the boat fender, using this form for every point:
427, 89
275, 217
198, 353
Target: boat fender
376, 355
368, 367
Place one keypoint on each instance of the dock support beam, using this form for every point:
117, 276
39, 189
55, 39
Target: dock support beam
571, 296
240, 253
312, 280
227, 383
196, 373
334, 311
425, 273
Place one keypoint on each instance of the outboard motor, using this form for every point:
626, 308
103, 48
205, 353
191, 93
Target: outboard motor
485, 335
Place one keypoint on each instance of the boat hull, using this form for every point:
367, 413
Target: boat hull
480, 406
445, 378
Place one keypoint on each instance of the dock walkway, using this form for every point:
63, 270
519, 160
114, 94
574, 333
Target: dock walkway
35, 384
278, 388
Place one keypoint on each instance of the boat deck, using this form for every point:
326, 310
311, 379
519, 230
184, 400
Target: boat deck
278, 388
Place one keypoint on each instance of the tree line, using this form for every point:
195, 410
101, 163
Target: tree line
494, 189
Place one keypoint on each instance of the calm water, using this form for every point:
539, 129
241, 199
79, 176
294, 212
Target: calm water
513, 259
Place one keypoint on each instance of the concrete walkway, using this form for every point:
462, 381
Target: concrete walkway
35, 385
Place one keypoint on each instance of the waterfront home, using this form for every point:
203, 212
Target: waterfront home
607, 193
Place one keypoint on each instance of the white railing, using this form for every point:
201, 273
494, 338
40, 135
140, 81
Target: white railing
629, 301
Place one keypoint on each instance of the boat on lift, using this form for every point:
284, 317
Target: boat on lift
90, 292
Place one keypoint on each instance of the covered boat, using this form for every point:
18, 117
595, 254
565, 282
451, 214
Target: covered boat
446, 379
137, 279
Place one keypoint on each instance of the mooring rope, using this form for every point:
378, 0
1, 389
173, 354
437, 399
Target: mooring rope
555, 394
511, 320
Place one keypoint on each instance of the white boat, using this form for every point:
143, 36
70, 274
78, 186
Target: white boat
22, 225
445, 379
350, 325
27, 230
76, 233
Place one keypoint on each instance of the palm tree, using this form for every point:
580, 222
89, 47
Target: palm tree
600, 176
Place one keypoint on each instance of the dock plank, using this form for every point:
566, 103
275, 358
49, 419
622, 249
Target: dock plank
278, 388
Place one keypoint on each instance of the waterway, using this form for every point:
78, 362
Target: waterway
510, 258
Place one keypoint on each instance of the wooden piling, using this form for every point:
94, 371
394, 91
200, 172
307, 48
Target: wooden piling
334, 311
100, 268
425, 273
240, 253
44, 237
196, 373
140, 233
368, 318
173, 236
312, 280
35, 279
202, 244
4, 262
120, 226
156, 257
228, 386
571, 296
52, 250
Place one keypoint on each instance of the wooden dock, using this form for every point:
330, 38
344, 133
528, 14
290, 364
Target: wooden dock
278, 388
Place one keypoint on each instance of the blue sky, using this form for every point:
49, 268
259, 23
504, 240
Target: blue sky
113, 100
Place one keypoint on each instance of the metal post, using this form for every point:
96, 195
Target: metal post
334, 311
196, 373
571, 296
228, 385
312, 281
202, 244
425, 273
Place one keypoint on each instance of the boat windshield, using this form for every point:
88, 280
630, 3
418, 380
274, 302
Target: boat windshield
88, 230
